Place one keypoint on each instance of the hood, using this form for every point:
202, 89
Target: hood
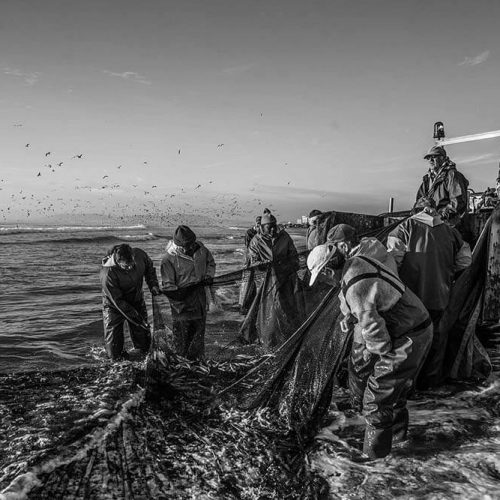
431, 219
109, 261
178, 251
370, 247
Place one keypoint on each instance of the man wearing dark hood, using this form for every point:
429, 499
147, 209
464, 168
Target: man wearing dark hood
186, 268
278, 307
445, 185
122, 275
392, 335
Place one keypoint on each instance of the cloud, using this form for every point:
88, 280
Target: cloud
238, 70
29, 78
480, 159
473, 61
129, 75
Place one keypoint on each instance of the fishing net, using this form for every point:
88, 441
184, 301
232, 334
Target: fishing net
278, 342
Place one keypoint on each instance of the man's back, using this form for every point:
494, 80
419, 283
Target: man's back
428, 248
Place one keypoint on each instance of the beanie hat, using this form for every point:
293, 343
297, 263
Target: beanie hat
341, 232
318, 259
184, 236
258, 219
268, 219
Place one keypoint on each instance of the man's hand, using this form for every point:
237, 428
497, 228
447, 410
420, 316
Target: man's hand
207, 281
155, 291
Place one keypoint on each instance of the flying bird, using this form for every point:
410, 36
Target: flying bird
47, 154
179, 152
104, 176
78, 156
220, 145
60, 164
27, 145
39, 174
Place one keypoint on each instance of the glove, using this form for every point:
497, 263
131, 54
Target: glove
155, 291
446, 213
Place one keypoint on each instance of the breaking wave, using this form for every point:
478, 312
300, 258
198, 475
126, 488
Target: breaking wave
59, 229
90, 239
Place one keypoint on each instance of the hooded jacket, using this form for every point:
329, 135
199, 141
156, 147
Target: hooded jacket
448, 188
179, 270
428, 252
384, 308
373, 248
122, 289
279, 250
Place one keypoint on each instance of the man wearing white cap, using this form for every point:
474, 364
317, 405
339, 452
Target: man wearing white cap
391, 339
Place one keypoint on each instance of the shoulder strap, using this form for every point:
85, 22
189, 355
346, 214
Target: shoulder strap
385, 277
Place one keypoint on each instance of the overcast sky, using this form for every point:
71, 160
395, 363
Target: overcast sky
227, 106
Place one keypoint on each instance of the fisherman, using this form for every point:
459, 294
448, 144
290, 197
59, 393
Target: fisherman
278, 305
392, 335
312, 230
445, 184
429, 253
122, 274
368, 246
186, 268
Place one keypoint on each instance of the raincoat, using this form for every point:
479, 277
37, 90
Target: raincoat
389, 347
448, 188
429, 253
278, 308
123, 300
182, 273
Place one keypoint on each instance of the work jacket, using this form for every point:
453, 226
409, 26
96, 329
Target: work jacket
428, 252
312, 237
122, 290
384, 308
179, 270
448, 188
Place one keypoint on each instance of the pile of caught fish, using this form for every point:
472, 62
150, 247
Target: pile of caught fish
116, 431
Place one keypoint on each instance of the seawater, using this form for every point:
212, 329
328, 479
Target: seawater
50, 293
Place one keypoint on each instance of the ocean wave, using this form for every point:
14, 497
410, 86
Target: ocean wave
58, 229
89, 239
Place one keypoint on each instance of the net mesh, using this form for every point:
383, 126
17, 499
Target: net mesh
278, 342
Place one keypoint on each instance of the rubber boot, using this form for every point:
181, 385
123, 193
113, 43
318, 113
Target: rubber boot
378, 442
400, 426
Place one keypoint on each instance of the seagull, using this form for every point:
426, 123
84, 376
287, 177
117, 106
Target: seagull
27, 145
145, 162
220, 145
60, 164
179, 152
78, 156
104, 176
39, 174
198, 186
47, 154
119, 166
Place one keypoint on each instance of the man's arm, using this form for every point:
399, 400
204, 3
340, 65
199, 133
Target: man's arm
457, 192
150, 274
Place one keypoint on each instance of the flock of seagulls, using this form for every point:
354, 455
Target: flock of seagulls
169, 208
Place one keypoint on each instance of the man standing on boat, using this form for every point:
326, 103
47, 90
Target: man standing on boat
122, 275
186, 268
445, 184
429, 253
392, 334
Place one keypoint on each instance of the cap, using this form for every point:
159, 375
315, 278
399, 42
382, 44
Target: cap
184, 236
314, 213
267, 219
341, 232
435, 151
258, 219
318, 259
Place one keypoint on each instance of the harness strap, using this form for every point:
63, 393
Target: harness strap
378, 274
